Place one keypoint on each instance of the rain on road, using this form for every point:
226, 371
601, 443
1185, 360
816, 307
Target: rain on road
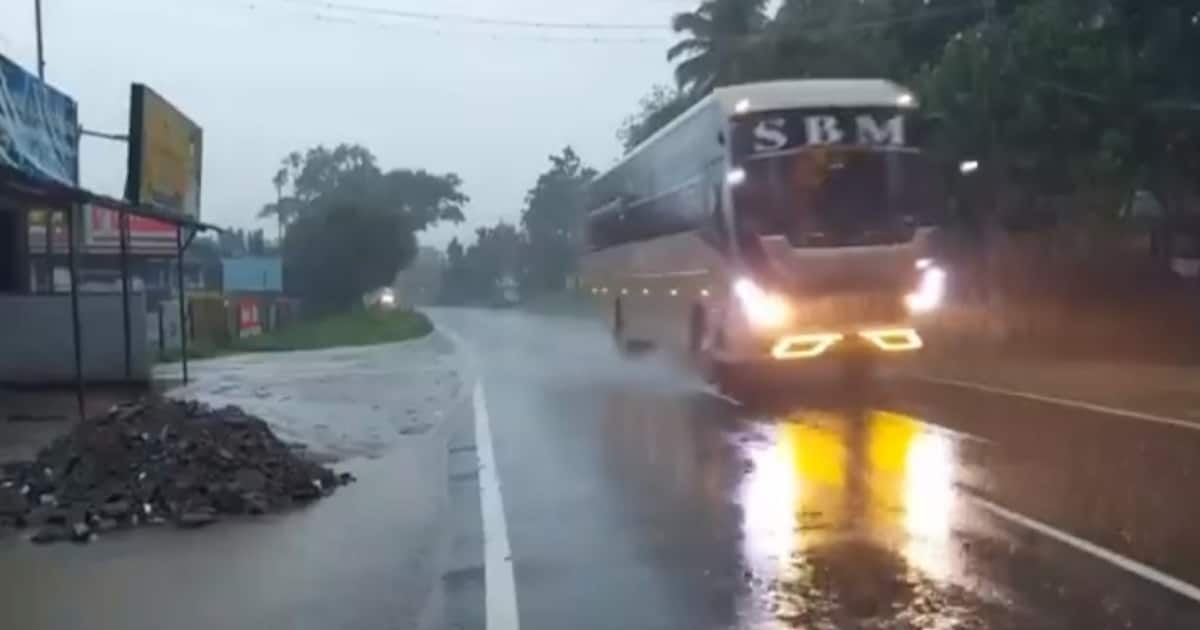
634, 499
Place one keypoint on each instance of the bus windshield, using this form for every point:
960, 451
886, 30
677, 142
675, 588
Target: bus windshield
834, 194
836, 197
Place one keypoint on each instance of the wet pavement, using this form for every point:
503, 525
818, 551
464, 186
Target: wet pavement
633, 498
341, 402
367, 557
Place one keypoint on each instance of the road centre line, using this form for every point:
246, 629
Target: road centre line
1143, 571
500, 589
1064, 402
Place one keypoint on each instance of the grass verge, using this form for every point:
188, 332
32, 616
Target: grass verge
358, 328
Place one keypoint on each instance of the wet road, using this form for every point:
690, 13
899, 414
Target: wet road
631, 498
366, 557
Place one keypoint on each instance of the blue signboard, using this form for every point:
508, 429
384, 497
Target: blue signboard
252, 274
39, 126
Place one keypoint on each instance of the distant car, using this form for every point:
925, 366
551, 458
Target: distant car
508, 292
383, 299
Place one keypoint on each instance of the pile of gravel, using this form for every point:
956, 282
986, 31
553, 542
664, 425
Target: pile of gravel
156, 462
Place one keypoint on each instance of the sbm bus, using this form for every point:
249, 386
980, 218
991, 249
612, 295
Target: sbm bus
770, 223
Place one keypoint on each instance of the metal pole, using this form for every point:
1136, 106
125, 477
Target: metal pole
41, 60
183, 328
115, 137
76, 331
123, 222
48, 218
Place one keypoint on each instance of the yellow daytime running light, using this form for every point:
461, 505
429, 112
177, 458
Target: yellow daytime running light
804, 346
893, 339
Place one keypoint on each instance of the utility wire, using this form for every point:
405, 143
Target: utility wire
477, 20
493, 35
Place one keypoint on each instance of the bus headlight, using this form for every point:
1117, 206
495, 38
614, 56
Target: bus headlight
762, 308
931, 290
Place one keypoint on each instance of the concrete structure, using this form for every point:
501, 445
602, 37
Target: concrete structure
37, 337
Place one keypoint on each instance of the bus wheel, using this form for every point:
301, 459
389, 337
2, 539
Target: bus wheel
625, 346
710, 370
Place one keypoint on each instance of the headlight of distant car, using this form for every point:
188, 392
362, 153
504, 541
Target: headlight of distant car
930, 291
763, 309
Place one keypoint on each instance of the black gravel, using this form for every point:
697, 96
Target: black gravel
153, 463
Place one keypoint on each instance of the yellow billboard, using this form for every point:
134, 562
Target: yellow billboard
165, 155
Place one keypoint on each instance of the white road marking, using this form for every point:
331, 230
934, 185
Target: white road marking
500, 587
1065, 402
499, 584
1143, 571
962, 435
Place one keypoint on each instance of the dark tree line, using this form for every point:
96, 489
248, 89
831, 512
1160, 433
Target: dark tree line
348, 225
540, 254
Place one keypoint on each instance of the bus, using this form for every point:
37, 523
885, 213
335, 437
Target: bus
771, 223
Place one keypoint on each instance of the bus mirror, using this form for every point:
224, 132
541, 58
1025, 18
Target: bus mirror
721, 138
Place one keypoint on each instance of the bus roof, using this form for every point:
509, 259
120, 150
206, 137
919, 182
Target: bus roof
747, 98
799, 93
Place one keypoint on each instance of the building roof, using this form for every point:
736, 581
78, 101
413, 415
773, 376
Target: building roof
44, 193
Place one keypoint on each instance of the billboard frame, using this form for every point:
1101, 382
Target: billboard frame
139, 189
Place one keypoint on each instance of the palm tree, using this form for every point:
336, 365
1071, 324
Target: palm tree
720, 41
277, 209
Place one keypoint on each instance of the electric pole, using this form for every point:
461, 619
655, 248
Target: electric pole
37, 14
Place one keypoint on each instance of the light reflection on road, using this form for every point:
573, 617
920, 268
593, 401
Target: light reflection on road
824, 488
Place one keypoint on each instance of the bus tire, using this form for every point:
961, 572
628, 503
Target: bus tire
625, 346
709, 368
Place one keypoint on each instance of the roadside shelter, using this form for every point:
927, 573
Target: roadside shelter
39, 155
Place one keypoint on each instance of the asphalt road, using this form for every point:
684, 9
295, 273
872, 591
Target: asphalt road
624, 495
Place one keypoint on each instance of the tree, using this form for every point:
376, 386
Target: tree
472, 275
719, 44
655, 110
351, 225
231, 243
553, 220
335, 255
256, 243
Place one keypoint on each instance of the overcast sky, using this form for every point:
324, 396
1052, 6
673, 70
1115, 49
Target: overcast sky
264, 77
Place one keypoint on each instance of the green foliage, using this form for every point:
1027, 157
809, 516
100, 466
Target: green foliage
539, 254
655, 110
553, 221
350, 225
357, 328
721, 40
473, 273
335, 254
